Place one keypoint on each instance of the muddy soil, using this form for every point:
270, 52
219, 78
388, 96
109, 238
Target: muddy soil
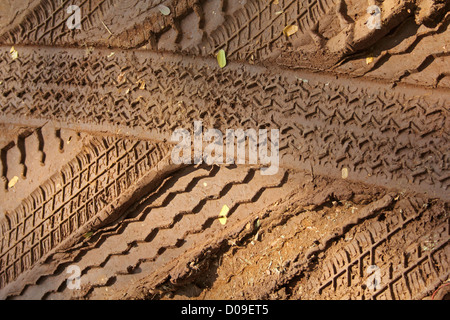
358, 209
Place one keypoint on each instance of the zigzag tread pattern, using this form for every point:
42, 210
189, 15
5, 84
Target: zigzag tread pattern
75, 199
46, 23
254, 22
382, 135
409, 263
257, 29
158, 232
161, 196
252, 30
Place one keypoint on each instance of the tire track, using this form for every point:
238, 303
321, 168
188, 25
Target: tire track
33, 151
46, 22
252, 31
325, 123
111, 23
411, 263
169, 188
90, 191
257, 29
324, 251
426, 47
107, 252
192, 238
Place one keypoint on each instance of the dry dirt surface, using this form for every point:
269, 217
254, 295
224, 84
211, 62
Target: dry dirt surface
358, 208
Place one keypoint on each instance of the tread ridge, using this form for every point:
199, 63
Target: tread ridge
187, 233
317, 115
104, 233
220, 193
363, 247
169, 225
45, 218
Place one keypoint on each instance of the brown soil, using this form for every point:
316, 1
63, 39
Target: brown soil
359, 208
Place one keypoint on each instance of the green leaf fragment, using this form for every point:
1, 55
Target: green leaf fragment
88, 234
164, 10
221, 58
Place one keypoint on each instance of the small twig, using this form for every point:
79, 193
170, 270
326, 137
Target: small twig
106, 27
312, 174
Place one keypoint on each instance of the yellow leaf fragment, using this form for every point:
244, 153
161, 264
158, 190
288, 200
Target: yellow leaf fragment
290, 30
224, 211
276, 2
164, 10
344, 173
369, 60
223, 214
14, 53
221, 58
223, 220
13, 181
